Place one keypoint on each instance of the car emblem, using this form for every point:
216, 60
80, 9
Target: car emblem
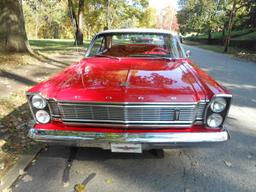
108, 97
141, 98
173, 98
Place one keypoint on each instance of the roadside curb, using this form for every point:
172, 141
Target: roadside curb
13, 174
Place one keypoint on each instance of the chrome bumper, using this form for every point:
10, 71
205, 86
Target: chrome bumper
103, 140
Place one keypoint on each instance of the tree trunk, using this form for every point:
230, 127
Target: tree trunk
77, 21
209, 36
79, 31
13, 37
107, 15
230, 25
223, 33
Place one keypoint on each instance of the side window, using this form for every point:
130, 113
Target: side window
176, 48
98, 46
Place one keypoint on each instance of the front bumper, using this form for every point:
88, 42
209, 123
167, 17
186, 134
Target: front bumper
148, 140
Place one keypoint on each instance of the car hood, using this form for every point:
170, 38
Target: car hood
125, 80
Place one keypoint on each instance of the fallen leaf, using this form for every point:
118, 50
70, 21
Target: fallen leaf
2, 165
79, 188
22, 172
65, 184
27, 178
228, 164
33, 161
7, 190
109, 181
2, 143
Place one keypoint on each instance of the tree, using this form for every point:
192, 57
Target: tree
230, 25
236, 6
13, 36
47, 19
148, 19
167, 19
77, 20
201, 16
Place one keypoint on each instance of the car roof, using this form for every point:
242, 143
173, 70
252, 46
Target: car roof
138, 30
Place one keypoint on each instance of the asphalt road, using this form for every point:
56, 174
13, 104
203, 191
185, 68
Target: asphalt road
229, 166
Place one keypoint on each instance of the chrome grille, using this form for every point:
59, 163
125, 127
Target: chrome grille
54, 108
128, 114
200, 110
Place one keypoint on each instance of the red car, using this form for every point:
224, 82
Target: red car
129, 96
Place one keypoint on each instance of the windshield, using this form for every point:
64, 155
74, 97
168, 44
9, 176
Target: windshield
136, 45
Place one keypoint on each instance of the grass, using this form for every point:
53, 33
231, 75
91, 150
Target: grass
48, 45
245, 34
240, 35
241, 53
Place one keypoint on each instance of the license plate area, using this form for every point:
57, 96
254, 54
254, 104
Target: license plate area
126, 148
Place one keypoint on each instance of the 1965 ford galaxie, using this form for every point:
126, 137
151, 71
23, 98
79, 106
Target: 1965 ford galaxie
134, 90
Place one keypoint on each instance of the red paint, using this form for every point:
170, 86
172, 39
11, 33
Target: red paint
126, 79
157, 80
63, 127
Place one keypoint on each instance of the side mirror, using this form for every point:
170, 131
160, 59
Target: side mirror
188, 53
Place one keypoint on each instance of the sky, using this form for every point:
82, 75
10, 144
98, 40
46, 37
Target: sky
159, 4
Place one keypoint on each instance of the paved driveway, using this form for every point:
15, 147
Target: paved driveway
228, 166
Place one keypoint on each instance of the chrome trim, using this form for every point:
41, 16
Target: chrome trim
124, 107
223, 95
137, 126
124, 122
29, 95
127, 103
208, 107
129, 106
144, 138
205, 104
30, 105
191, 105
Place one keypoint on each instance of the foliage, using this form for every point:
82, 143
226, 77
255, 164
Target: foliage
47, 19
167, 19
199, 16
245, 34
203, 15
51, 19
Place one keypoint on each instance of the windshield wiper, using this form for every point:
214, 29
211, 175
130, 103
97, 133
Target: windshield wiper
108, 56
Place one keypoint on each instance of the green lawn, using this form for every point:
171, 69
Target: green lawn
55, 44
245, 34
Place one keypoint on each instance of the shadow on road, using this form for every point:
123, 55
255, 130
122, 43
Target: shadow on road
197, 169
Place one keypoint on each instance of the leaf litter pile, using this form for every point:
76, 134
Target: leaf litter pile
14, 119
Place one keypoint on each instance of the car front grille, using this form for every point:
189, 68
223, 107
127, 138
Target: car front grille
128, 114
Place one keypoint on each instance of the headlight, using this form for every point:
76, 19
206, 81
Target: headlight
38, 102
218, 105
214, 120
42, 116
